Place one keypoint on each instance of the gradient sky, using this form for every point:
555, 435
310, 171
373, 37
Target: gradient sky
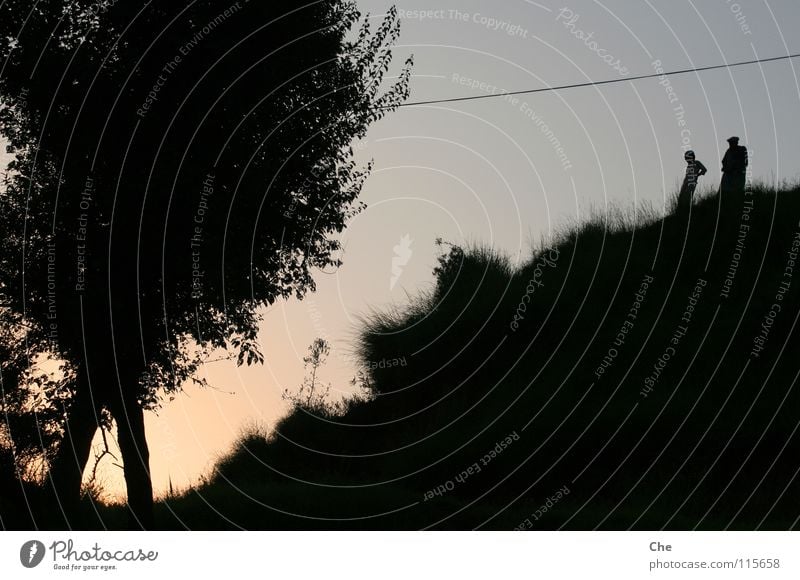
488, 172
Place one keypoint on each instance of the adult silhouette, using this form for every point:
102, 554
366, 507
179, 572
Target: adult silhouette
734, 167
694, 169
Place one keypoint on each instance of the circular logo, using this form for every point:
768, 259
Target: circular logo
31, 553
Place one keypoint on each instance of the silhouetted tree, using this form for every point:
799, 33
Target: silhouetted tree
312, 394
177, 167
29, 396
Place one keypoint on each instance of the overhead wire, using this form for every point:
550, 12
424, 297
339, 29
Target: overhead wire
597, 83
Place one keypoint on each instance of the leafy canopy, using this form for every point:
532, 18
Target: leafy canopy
177, 167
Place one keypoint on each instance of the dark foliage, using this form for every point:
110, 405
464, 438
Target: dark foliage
178, 167
712, 444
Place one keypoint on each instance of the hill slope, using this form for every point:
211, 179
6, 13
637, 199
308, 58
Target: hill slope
635, 376
641, 375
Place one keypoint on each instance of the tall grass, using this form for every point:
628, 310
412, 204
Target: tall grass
470, 380
711, 444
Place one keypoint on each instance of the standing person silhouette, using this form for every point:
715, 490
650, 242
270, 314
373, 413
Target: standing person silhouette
734, 168
694, 169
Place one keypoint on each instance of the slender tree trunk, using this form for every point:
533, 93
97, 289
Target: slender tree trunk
66, 470
136, 461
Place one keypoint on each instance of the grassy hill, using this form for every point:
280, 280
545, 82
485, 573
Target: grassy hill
635, 373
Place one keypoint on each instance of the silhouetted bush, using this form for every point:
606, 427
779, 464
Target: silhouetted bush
525, 400
474, 374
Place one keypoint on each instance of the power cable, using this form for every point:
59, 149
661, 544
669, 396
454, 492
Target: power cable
596, 83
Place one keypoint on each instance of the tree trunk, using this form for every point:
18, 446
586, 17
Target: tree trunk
136, 461
66, 471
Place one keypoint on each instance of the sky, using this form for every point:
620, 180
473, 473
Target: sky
508, 172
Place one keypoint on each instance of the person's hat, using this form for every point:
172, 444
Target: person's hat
733, 139
689, 155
